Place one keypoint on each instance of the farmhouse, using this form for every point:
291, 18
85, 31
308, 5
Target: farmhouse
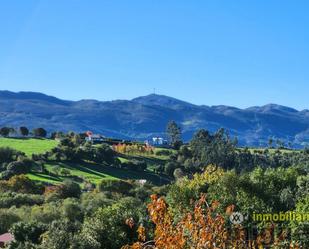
157, 142
90, 137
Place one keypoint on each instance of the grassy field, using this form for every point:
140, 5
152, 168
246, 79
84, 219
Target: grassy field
272, 151
93, 173
86, 171
29, 146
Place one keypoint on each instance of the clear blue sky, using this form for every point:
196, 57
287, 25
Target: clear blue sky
239, 53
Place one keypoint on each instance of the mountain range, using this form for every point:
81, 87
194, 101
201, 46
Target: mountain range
147, 116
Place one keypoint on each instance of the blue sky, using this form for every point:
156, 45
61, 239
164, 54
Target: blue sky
240, 53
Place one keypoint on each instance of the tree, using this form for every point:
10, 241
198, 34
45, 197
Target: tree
113, 226
103, 153
201, 227
28, 232
174, 133
218, 149
71, 210
63, 191
198, 229
8, 155
270, 142
21, 166
24, 131
20, 184
113, 185
39, 132
5, 131
169, 167
300, 228
61, 235
7, 219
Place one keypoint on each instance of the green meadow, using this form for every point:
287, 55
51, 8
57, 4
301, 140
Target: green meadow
90, 172
29, 145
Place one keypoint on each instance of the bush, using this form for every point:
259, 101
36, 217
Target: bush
92, 201
70, 151
178, 173
7, 219
170, 167
163, 152
5, 131
61, 235
28, 232
39, 132
103, 153
66, 190
8, 155
65, 172
107, 228
71, 209
8, 200
21, 166
135, 165
117, 186
20, 184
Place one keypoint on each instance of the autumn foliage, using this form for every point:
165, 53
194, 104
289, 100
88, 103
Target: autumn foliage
133, 148
203, 228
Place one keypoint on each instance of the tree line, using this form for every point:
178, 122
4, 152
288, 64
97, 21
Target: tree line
23, 131
220, 149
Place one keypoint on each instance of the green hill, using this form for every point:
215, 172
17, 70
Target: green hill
93, 173
29, 145
57, 172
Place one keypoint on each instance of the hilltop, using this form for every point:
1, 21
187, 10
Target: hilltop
147, 116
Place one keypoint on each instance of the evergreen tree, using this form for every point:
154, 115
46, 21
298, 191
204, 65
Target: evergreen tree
174, 133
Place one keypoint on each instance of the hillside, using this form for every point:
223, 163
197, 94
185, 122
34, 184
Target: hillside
79, 172
29, 145
147, 116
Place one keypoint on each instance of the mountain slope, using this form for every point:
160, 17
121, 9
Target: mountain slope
147, 116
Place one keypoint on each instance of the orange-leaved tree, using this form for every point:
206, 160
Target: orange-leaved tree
203, 228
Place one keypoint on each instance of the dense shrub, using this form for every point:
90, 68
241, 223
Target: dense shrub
92, 201
7, 219
70, 151
62, 235
5, 131
39, 132
8, 155
163, 152
65, 190
28, 232
10, 199
20, 184
170, 167
108, 228
137, 165
118, 186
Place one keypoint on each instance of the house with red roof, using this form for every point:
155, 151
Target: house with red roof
5, 239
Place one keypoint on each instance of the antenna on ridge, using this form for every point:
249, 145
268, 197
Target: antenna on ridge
154, 91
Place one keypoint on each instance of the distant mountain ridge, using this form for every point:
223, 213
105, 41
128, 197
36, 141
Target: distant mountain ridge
147, 116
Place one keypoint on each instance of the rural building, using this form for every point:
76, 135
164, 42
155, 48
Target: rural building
158, 141
5, 239
90, 137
